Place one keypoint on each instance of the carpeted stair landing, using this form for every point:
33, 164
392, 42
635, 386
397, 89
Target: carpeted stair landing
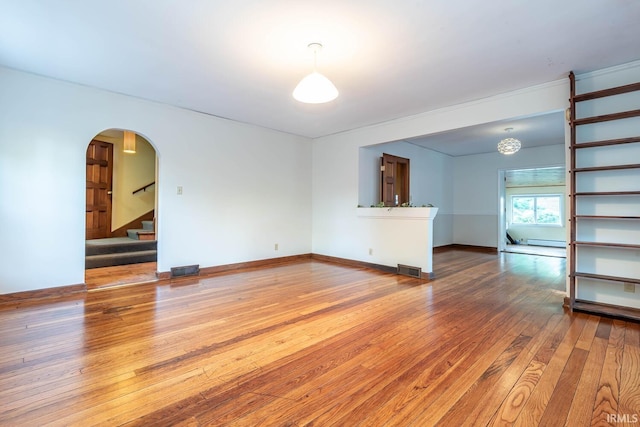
139, 247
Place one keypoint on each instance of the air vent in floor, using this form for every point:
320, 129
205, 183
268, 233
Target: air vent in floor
187, 270
407, 270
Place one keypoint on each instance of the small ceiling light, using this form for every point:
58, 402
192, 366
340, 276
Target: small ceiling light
315, 88
129, 142
509, 145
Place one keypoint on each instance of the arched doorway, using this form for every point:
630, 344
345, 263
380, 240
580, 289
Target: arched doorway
121, 244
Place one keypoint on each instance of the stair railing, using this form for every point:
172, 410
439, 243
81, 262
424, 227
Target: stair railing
144, 188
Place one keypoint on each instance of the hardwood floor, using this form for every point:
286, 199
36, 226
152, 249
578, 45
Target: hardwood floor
313, 343
102, 277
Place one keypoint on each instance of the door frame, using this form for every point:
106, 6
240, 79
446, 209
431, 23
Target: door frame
502, 209
502, 200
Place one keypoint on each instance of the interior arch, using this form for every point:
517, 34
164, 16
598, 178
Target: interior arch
121, 214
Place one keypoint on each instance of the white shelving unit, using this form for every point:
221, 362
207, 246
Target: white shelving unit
604, 267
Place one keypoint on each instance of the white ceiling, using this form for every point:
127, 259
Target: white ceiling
241, 59
545, 129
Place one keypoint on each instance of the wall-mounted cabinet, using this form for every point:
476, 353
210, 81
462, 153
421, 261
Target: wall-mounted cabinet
604, 270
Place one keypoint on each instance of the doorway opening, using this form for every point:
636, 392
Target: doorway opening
532, 216
394, 184
121, 201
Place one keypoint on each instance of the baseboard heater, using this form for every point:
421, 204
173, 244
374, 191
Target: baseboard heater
542, 242
187, 270
407, 270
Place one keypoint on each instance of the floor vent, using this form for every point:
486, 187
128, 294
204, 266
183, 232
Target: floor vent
408, 270
187, 270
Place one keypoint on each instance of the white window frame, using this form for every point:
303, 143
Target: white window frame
535, 210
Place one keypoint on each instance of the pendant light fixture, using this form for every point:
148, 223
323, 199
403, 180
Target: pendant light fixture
315, 88
509, 146
129, 142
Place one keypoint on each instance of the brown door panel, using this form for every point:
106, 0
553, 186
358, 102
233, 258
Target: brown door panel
394, 186
99, 179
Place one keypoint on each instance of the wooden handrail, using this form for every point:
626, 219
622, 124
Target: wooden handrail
144, 188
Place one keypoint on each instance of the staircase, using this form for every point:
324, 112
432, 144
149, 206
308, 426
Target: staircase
140, 246
147, 232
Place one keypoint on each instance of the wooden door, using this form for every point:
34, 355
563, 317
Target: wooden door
394, 186
99, 176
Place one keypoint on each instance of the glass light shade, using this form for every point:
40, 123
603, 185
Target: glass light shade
129, 142
509, 146
315, 89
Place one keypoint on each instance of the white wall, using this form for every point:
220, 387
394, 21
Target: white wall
430, 182
336, 229
132, 171
245, 188
411, 228
475, 189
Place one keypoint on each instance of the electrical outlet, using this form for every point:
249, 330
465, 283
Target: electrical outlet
370, 251
179, 191
275, 247
630, 287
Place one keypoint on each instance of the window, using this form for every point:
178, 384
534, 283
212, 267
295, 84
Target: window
536, 209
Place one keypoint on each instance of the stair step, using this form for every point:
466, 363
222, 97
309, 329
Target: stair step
108, 260
118, 245
148, 225
141, 234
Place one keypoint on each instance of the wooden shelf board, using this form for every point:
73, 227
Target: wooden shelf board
607, 310
609, 245
607, 92
608, 193
606, 142
605, 217
606, 117
607, 168
605, 277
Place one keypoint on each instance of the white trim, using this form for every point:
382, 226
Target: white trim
530, 101
479, 101
610, 70
398, 213
502, 210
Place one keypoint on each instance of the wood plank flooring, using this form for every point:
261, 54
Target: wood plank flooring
313, 343
119, 275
